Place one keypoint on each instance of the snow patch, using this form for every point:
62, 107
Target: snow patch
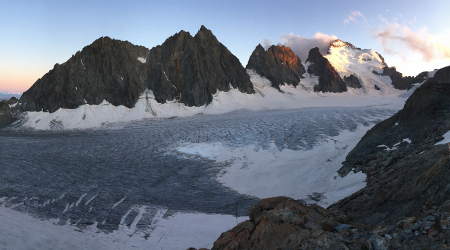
293, 173
445, 140
142, 60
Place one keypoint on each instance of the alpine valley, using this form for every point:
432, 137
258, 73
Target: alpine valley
180, 146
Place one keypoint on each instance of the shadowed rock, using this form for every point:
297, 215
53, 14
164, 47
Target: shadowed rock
278, 64
191, 69
184, 68
352, 82
404, 168
329, 79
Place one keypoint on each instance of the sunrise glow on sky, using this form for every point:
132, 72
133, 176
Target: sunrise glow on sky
414, 36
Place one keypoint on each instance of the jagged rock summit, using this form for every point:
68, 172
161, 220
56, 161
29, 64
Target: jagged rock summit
192, 69
329, 79
184, 68
278, 64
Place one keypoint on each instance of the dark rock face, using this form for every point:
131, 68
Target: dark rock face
107, 69
398, 81
329, 79
352, 82
6, 112
402, 176
192, 69
278, 64
189, 69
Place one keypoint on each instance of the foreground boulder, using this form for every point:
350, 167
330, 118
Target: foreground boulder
283, 223
404, 167
278, 64
184, 68
329, 79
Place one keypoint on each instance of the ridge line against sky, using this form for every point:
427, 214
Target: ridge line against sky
413, 35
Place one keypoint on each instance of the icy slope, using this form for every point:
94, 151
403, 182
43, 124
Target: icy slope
349, 60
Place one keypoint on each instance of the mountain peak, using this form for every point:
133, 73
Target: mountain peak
278, 64
338, 43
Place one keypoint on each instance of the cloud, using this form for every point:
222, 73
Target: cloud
266, 43
395, 38
354, 17
301, 45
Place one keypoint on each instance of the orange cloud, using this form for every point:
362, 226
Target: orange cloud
395, 38
301, 45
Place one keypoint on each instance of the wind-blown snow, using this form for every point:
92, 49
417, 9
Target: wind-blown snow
292, 173
265, 98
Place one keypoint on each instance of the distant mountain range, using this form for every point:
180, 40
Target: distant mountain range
5, 96
190, 70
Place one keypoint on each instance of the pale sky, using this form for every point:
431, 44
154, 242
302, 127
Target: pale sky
414, 36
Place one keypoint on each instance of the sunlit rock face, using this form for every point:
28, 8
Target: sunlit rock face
184, 68
329, 79
278, 64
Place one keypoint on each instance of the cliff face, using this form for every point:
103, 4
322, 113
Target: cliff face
404, 167
191, 69
184, 68
278, 64
329, 79
107, 69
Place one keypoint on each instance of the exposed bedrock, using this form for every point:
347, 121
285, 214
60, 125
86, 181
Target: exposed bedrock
184, 68
329, 79
278, 64
404, 167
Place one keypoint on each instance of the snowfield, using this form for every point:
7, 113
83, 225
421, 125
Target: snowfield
171, 183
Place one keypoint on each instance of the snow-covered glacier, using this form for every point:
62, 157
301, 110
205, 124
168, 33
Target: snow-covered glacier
172, 182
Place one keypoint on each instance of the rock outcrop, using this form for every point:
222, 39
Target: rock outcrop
6, 112
184, 68
404, 167
283, 223
278, 64
329, 79
352, 82
398, 80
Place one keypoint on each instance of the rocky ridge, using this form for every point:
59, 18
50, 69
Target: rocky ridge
329, 79
184, 68
404, 167
278, 64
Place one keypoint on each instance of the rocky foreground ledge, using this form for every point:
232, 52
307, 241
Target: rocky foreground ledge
285, 223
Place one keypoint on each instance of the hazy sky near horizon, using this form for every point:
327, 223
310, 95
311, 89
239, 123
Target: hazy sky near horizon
412, 35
